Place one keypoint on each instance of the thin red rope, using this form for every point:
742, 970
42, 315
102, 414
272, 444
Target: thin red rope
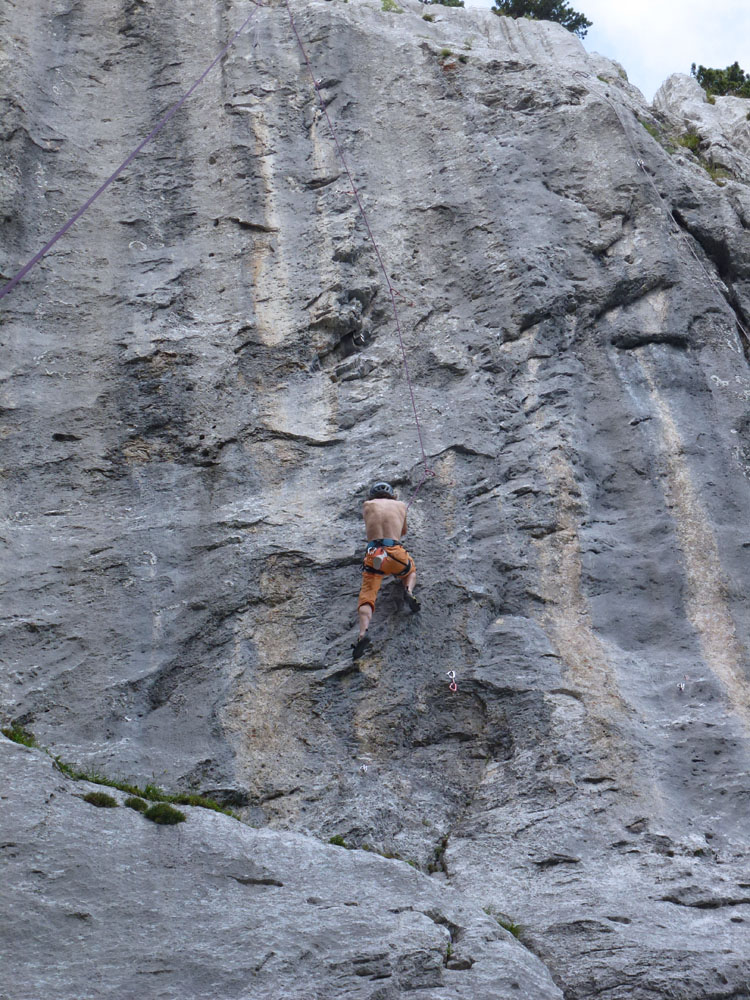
428, 472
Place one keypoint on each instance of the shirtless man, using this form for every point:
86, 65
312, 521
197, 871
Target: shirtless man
385, 523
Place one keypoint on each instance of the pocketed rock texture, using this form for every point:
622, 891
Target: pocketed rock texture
202, 378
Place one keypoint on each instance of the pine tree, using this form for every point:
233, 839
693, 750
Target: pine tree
545, 10
732, 81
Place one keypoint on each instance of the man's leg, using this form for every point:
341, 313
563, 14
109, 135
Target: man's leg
363, 643
365, 615
368, 594
408, 583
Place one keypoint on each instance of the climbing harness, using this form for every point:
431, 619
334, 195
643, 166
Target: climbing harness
452, 675
640, 163
126, 163
377, 550
427, 471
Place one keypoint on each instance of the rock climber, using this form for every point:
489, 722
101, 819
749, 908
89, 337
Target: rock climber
385, 524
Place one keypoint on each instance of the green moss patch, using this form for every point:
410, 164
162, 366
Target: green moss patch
719, 175
138, 798
652, 130
164, 814
101, 800
150, 792
690, 140
509, 925
505, 921
19, 735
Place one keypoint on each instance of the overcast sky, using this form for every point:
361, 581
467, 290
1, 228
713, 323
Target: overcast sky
653, 38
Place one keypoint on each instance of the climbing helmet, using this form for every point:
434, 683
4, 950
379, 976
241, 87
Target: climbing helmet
382, 491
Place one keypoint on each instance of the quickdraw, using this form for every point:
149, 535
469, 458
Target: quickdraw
453, 686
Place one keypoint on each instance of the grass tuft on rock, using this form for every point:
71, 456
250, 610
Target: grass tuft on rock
150, 792
19, 735
690, 140
504, 920
164, 814
186, 799
652, 130
337, 840
719, 175
510, 926
101, 800
133, 802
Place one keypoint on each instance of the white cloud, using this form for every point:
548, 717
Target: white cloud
653, 38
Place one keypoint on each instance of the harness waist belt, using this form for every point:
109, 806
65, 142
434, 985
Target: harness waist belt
385, 542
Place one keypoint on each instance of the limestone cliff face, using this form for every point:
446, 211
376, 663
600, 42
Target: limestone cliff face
199, 382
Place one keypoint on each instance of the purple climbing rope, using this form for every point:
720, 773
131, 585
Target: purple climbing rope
427, 472
20, 275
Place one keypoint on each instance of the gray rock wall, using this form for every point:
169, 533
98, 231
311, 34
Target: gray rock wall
721, 125
109, 904
201, 379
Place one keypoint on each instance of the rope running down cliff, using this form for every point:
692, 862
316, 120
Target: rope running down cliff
126, 163
712, 278
428, 472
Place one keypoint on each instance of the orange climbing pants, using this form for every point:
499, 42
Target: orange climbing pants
398, 563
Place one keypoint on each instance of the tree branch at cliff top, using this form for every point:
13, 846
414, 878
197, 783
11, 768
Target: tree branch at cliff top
545, 10
730, 82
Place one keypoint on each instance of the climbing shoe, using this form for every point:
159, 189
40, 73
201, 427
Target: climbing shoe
360, 646
412, 601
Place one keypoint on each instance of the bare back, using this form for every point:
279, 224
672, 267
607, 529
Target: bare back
384, 518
